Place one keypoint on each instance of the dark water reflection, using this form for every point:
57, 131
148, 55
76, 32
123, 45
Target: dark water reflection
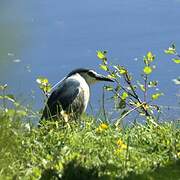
50, 38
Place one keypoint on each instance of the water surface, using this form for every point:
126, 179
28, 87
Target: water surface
50, 38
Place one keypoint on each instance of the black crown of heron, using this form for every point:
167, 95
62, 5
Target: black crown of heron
72, 94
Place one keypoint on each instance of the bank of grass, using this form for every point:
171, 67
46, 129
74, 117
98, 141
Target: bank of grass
88, 150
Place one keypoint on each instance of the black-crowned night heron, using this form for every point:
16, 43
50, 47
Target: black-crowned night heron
72, 95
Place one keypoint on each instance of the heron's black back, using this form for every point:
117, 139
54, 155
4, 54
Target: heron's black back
61, 98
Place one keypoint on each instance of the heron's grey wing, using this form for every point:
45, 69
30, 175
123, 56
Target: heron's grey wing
64, 95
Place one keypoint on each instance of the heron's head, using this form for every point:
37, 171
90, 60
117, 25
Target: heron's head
90, 76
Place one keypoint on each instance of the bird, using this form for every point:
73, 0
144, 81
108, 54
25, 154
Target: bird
71, 95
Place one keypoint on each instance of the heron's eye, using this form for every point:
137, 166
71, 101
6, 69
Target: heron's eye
91, 74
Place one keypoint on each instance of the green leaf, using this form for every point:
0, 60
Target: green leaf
156, 96
38, 80
124, 96
45, 81
47, 88
118, 88
42, 80
108, 88
10, 97
36, 171
103, 67
101, 54
120, 69
150, 56
44, 84
147, 70
170, 50
152, 84
122, 104
3, 87
177, 61
141, 86
112, 76
146, 62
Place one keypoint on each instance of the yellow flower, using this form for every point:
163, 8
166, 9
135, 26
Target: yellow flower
103, 126
121, 144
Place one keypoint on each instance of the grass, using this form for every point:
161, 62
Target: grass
88, 150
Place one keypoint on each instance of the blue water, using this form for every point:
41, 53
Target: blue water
50, 38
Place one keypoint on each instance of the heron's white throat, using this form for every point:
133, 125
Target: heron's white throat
84, 87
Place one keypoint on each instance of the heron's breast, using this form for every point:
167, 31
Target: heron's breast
85, 91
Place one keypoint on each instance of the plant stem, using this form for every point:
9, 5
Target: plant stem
103, 104
145, 88
128, 81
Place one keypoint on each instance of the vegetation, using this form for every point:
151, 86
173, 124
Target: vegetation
87, 150
91, 148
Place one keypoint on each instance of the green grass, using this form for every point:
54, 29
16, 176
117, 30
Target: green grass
88, 150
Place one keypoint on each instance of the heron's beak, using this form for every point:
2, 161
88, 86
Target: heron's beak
100, 77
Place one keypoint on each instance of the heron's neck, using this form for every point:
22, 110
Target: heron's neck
80, 79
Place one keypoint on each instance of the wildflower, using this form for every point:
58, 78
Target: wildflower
119, 142
121, 145
102, 127
120, 149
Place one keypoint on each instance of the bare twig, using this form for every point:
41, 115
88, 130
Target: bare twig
127, 113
